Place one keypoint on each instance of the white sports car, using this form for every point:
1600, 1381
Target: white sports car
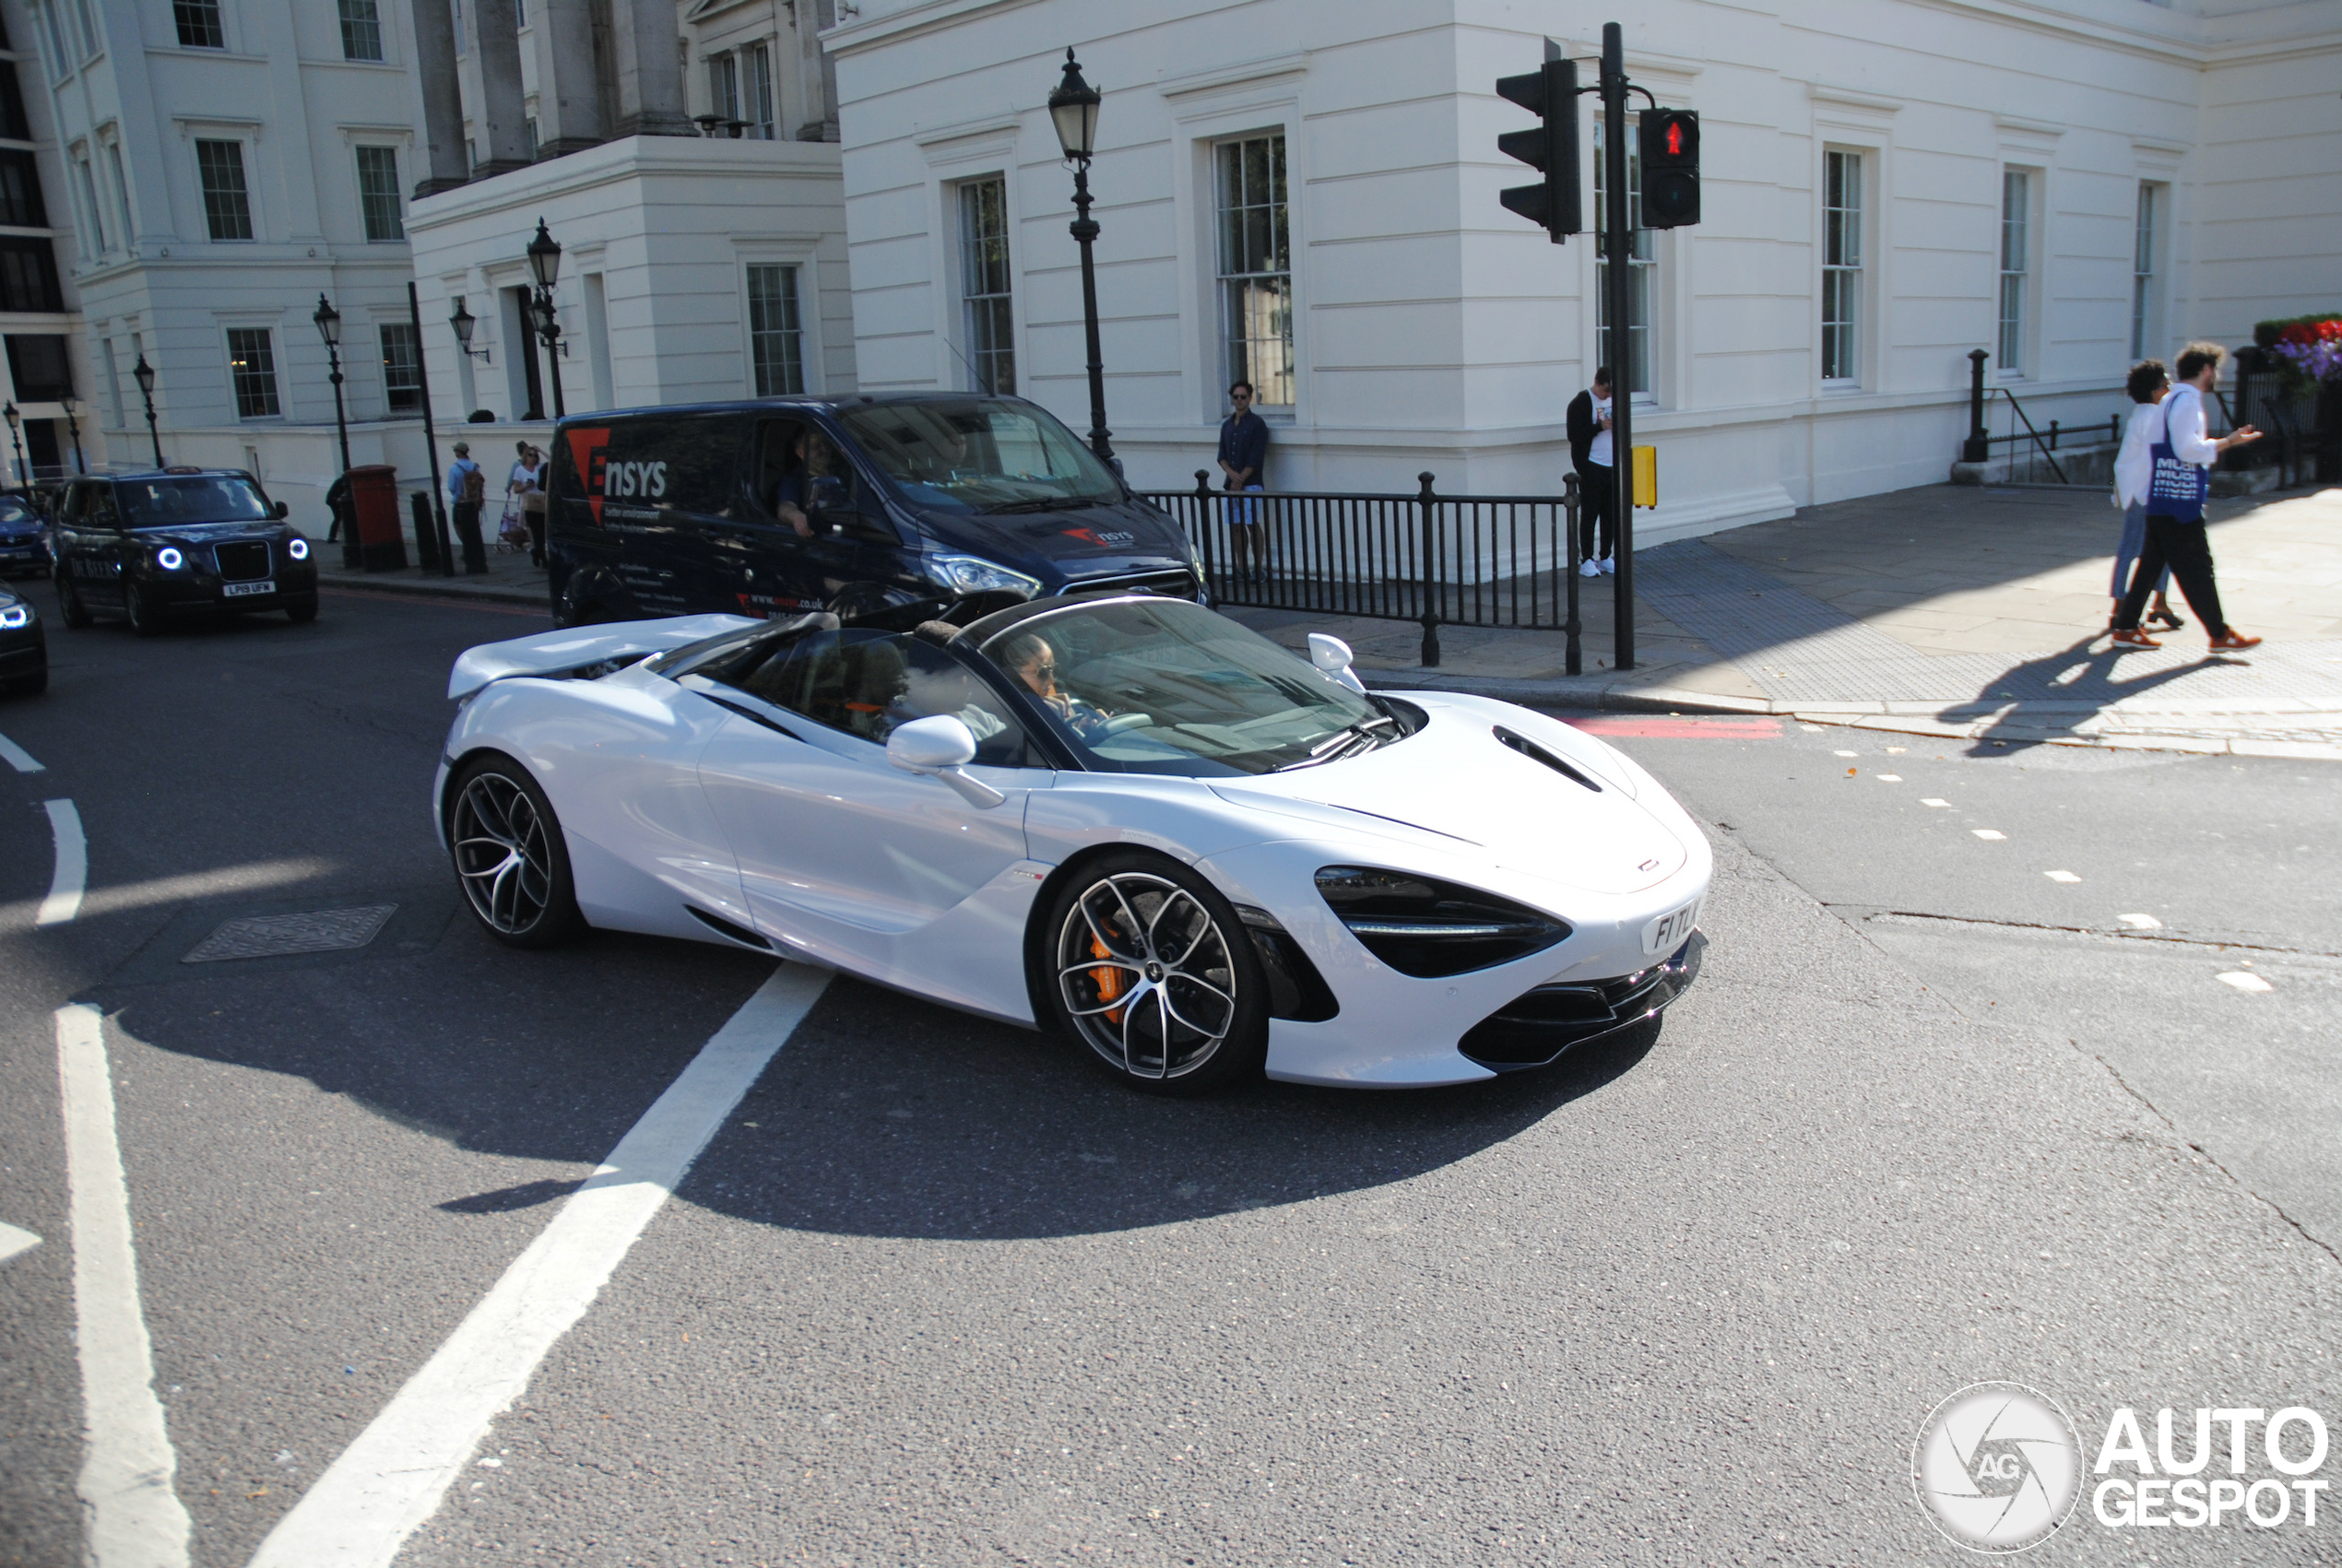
1195, 852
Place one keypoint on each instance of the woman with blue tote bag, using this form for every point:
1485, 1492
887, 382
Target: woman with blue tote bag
2175, 496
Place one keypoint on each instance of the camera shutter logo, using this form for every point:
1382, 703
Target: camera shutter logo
1997, 1466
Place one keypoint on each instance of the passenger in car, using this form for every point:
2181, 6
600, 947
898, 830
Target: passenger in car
815, 459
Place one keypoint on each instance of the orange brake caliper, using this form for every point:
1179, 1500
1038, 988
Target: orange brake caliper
1110, 981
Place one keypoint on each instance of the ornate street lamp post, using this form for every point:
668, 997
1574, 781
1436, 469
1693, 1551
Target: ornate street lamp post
71, 404
15, 428
1074, 108
463, 323
144, 375
544, 265
328, 320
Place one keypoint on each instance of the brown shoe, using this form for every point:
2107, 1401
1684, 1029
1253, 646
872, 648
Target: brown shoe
2135, 638
2232, 641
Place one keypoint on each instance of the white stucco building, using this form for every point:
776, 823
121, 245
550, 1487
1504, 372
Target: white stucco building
1305, 192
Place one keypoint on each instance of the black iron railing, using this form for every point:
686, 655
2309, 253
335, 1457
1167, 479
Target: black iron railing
1452, 560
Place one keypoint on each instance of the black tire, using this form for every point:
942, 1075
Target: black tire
76, 614
32, 685
1137, 924
302, 611
509, 855
139, 613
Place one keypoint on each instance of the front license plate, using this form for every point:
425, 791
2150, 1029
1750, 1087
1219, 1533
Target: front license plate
242, 590
1667, 933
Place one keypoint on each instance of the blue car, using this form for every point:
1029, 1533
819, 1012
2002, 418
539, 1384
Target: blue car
24, 539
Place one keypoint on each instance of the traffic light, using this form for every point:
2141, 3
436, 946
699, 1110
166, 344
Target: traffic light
1671, 167
1550, 93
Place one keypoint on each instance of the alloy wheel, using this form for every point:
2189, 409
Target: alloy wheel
1146, 975
503, 855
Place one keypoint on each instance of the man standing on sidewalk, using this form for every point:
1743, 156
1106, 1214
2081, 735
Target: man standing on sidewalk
2183, 479
1244, 457
466, 491
1588, 425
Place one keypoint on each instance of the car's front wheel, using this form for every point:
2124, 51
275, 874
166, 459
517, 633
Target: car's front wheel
1150, 968
509, 856
76, 614
139, 611
302, 609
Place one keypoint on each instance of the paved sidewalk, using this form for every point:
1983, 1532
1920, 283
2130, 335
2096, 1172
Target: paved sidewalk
1942, 610
510, 579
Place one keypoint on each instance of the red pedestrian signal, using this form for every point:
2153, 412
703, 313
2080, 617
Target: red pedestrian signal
1671, 167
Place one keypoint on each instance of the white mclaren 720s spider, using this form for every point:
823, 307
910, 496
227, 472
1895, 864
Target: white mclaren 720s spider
1198, 853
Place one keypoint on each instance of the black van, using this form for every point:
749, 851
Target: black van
881, 509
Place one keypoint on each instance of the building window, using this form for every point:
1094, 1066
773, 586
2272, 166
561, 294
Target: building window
121, 190
361, 30
776, 344
199, 24
60, 63
988, 317
724, 86
2017, 209
1842, 266
1256, 267
113, 382
225, 209
2142, 273
757, 85
28, 275
20, 204
36, 363
13, 125
402, 368
378, 192
89, 200
1642, 271
251, 367
91, 39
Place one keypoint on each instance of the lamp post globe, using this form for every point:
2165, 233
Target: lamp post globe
328, 321
72, 406
545, 265
463, 321
144, 375
544, 257
16, 425
1073, 108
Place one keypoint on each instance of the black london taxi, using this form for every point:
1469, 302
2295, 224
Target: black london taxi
882, 509
24, 648
24, 539
152, 545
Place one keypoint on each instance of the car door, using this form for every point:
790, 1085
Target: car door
852, 554
102, 544
891, 874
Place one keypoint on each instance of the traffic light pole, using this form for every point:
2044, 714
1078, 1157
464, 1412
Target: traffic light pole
1617, 247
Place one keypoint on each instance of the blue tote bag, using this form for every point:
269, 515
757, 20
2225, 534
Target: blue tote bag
2178, 488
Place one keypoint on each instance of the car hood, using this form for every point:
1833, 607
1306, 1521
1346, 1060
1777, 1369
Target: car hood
1074, 543
1456, 779
551, 653
18, 528
209, 532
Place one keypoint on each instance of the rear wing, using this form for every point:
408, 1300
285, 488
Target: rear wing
578, 648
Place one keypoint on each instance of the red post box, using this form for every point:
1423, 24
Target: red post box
373, 498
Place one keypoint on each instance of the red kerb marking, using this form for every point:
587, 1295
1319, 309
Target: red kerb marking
1685, 729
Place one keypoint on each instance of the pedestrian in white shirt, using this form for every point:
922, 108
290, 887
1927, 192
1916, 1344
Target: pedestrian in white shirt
2183, 455
2133, 469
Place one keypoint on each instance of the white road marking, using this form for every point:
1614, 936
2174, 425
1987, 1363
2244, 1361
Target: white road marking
1990, 834
1939, 805
14, 1240
1844, 753
2140, 922
2061, 876
133, 1514
2244, 982
18, 758
1888, 778
387, 1484
72, 874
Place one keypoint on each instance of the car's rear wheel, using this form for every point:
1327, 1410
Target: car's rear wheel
76, 614
509, 856
139, 611
1149, 967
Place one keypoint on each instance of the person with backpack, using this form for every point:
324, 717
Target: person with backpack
2181, 480
467, 493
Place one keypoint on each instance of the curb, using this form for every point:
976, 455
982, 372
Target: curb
440, 588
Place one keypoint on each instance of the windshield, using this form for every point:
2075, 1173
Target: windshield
14, 510
983, 455
207, 498
1165, 687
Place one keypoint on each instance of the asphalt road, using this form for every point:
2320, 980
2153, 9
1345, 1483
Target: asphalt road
939, 1293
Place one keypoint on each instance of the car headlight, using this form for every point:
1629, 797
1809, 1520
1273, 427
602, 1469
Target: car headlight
969, 574
298, 548
15, 616
1428, 928
169, 558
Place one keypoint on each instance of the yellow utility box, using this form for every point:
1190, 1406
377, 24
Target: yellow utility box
1645, 476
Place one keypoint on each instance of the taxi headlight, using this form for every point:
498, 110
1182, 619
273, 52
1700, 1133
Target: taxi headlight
169, 558
968, 574
298, 548
15, 616
1429, 928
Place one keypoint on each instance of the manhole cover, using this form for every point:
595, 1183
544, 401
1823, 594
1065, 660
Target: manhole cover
273, 935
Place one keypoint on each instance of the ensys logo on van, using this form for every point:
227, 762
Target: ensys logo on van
603, 480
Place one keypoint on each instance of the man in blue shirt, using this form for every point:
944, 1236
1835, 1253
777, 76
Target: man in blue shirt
1244, 456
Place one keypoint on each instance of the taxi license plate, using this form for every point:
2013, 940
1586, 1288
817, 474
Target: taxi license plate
241, 589
1667, 933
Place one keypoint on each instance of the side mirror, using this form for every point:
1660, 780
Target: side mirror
1333, 655
279, 511
940, 747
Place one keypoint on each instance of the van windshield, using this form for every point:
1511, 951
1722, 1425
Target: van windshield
981, 454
